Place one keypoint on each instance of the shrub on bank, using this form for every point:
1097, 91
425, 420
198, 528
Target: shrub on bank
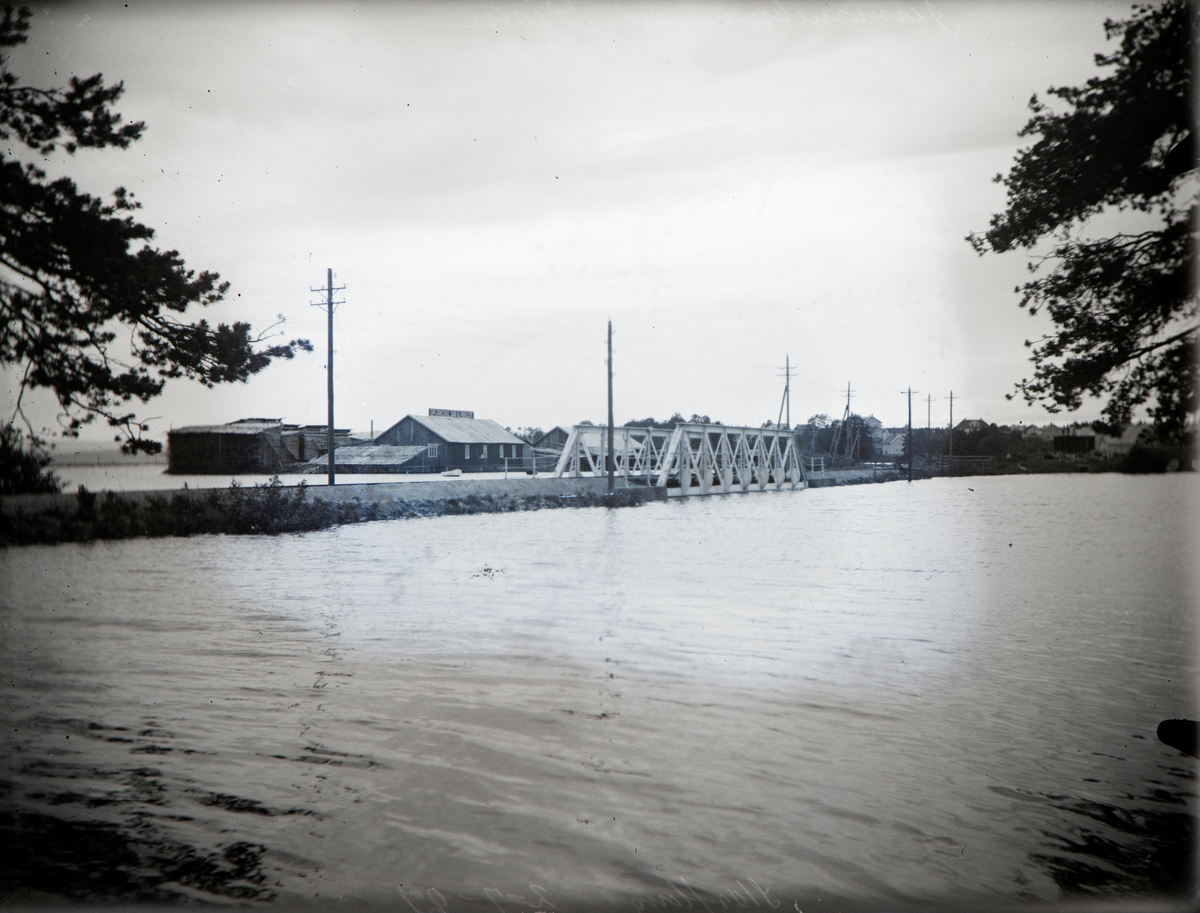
1149, 458
267, 509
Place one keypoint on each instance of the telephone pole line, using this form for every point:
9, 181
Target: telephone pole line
844, 425
788, 373
951, 435
910, 440
928, 423
846, 418
328, 304
611, 455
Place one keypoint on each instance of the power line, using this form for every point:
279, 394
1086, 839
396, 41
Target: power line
329, 305
928, 423
910, 440
951, 429
788, 373
837, 432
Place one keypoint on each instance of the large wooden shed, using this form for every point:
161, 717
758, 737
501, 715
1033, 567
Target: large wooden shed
456, 442
249, 445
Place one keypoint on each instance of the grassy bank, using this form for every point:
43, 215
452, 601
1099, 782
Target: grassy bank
268, 509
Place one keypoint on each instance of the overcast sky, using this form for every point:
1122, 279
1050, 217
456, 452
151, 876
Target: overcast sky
731, 184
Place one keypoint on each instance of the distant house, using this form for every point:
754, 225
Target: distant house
971, 424
1047, 433
251, 445
892, 443
449, 442
554, 439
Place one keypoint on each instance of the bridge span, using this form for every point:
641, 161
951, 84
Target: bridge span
690, 459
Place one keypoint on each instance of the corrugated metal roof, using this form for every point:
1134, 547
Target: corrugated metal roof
467, 430
236, 428
370, 455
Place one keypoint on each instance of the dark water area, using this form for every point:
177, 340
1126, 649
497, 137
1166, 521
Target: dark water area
941, 695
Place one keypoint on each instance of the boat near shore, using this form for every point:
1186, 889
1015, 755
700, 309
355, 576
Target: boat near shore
452, 473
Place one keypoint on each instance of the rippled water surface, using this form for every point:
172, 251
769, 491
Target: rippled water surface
880, 697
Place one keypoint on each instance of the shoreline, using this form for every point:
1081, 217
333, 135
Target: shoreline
275, 508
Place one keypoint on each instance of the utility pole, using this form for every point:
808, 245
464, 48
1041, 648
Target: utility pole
328, 304
951, 423
928, 423
910, 440
787, 392
846, 418
844, 426
610, 411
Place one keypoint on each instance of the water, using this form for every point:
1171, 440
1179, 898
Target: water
882, 697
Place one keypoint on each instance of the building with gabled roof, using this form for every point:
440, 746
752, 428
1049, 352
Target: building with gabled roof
554, 439
971, 424
450, 442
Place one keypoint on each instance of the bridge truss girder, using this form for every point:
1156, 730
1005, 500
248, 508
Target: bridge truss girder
700, 459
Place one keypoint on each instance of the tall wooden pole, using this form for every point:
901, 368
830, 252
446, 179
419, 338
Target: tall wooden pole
611, 455
329, 366
951, 423
328, 304
910, 440
928, 423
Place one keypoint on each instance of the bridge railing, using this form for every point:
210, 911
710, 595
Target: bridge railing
688, 459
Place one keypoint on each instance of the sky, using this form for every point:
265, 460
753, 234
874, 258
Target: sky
735, 186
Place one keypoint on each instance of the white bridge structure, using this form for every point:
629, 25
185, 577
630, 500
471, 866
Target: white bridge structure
690, 459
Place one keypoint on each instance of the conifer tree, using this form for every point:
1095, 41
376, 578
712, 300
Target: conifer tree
1123, 305
91, 310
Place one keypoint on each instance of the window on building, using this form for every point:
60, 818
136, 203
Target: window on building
431, 452
466, 451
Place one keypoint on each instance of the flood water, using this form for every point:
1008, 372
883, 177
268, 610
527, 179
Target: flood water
883, 697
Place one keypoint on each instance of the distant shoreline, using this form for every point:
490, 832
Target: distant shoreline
63, 456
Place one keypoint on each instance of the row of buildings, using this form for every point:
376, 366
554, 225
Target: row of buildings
449, 439
443, 440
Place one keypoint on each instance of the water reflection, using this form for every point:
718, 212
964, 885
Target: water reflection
127, 855
1143, 847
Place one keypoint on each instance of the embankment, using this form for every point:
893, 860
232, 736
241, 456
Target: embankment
277, 508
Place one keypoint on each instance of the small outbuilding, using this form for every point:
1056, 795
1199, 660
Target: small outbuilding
554, 439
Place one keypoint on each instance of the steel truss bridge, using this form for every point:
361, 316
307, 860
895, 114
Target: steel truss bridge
690, 459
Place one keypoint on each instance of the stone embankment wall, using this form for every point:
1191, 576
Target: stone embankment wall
852, 477
379, 492
386, 493
278, 508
